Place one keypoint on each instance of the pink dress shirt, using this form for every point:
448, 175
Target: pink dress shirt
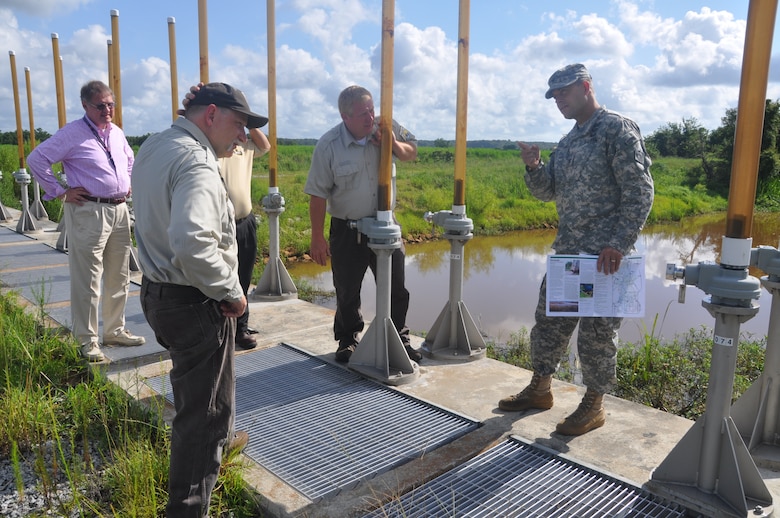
85, 161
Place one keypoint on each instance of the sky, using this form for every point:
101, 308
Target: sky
656, 61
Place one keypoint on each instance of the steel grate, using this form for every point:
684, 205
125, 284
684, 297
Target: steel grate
322, 428
517, 479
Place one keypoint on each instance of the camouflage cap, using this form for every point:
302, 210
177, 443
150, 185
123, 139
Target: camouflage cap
566, 76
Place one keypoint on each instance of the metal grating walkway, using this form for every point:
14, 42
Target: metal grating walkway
517, 479
322, 428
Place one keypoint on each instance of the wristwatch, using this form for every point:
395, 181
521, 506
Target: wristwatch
538, 166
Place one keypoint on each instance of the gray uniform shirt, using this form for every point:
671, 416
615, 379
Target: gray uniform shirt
346, 172
184, 220
599, 178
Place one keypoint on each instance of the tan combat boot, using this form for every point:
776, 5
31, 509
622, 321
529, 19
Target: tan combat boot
536, 395
589, 415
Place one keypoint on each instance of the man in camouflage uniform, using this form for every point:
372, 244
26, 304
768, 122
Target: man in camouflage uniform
599, 178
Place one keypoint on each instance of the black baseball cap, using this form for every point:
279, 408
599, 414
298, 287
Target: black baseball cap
225, 96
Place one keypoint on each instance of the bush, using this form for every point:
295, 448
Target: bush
672, 377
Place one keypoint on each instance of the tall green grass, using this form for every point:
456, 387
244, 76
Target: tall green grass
670, 376
79, 429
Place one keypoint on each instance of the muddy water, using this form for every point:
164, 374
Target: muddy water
502, 274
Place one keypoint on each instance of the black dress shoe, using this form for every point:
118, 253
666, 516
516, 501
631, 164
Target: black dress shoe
344, 352
245, 340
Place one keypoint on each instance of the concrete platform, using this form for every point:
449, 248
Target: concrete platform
634, 441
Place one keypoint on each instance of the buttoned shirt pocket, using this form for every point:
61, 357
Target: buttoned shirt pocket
347, 176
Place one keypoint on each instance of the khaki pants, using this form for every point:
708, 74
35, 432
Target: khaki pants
98, 251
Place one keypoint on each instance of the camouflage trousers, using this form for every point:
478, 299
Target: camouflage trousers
597, 341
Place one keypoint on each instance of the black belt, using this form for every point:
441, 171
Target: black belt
110, 201
166, 289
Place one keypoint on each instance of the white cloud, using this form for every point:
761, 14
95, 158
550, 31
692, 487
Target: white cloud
654, 69
44, 7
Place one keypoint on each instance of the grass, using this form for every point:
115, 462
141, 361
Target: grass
78, 429
672, 376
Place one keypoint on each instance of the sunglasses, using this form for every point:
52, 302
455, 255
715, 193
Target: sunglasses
103, 106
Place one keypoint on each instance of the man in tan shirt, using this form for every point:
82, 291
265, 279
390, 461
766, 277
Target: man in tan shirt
236, 171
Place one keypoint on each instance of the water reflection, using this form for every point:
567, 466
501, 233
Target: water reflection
502, 274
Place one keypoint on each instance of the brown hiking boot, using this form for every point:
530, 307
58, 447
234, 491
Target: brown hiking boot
236, 443
589, 415
536, 395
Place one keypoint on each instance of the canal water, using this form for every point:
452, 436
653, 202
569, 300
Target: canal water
502, 275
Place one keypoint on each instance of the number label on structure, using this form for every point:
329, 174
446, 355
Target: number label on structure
722, 340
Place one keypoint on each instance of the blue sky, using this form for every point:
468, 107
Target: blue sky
657, 61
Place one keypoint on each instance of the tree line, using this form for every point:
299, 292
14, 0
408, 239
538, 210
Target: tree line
714, 151
10, 137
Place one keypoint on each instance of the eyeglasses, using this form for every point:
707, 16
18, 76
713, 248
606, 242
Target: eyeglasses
103, 106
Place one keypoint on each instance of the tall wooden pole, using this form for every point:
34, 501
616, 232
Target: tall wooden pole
272, 156
173, 67
386, 107
203, 38
110, 51
117, 88
18, 110
750, 122
36, 207
275, 283
462, 104
30, 107
58, 79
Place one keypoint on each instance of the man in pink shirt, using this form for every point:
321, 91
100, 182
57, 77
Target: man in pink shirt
98, 161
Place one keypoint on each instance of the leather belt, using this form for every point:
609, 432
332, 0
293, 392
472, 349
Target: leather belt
110, 201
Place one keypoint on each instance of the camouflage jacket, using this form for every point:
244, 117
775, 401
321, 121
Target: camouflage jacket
599, 178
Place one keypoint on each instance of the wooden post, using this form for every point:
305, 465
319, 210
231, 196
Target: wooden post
58, 79
30, 107
272, 154
386, 107
462, 104
110, 50
750, 118
173, 67
203, 38
117, 88
18, 109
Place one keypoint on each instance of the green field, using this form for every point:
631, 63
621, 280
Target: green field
497, 199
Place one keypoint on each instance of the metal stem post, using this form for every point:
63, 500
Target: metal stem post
275, 283
5, 215
454, 335
757, 412
381, 354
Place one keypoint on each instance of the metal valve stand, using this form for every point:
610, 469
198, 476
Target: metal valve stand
26, 222
757, 412
711, 466
380, 354
275, 283
36, 207
5, 215
454, 335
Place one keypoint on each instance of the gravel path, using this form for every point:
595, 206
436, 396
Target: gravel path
33, 500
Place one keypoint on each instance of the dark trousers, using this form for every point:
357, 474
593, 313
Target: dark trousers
201, 342
349, 260
246, 237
